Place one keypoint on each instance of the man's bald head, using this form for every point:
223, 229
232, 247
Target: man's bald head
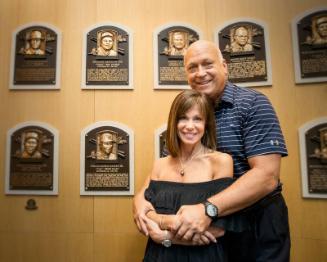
204, 44
206, 69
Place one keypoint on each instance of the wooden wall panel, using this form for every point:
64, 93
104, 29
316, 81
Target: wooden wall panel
308, 249
69, 227
50, 247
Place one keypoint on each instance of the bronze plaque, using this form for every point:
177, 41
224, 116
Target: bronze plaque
107, 57
243, 47
312, 45
172, 45
31, 159
316, 146
163, 151
35, 59
107, 160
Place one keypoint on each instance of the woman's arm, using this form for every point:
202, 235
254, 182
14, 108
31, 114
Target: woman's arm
140, 207
165, 222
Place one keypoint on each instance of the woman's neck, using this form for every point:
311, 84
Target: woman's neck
189, 151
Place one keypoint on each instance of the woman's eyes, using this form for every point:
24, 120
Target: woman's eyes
194, 119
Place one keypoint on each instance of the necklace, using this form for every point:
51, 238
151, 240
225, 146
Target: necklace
183, 165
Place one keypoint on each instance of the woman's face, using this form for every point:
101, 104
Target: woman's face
191, 126
30, 145
107, 43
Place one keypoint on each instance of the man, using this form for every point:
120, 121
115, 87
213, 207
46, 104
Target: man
34, 44
106, 45
240, 41
30, 145
248, 129
178, 44
321, 31
106, 143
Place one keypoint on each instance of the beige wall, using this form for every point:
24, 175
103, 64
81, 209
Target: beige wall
69, 227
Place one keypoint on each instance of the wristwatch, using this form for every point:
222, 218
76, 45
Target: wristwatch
166, 242
210, 209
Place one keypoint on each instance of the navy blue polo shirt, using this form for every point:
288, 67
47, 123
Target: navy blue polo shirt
247, 126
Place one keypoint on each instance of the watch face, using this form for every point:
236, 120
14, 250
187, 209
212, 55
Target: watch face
211, 210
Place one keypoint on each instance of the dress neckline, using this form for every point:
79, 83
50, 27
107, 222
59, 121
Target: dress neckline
191, 183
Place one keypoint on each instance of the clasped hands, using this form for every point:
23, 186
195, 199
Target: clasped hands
190, 226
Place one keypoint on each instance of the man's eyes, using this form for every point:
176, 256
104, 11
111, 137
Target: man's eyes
191, 69
208, 65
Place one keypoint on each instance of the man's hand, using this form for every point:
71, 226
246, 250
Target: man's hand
193, 220
170, 222
140, 208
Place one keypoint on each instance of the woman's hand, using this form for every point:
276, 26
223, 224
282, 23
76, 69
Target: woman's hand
156, 234
140, 208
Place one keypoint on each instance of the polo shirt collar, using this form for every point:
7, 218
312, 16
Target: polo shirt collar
228, 94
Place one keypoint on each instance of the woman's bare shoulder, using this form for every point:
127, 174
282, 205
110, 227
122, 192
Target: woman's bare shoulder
220, 156
158, 166
222, 164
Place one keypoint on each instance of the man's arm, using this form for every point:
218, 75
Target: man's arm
260, 180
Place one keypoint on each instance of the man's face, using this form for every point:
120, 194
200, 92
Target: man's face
205, 71
106, 144
107, 42
322, 30
30, 145
241, 36
178, 41
35, 39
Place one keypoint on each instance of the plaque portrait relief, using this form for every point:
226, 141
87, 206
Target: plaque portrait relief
313, 146
107, 145
318, 30
35, 43
106, 43
178, 43
32, 159
31, 144
160, 142
170, 44
107, 159
244, 45
309, 32
107, 57
35, 57
240, 40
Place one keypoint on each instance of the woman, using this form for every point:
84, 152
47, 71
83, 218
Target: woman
190, 174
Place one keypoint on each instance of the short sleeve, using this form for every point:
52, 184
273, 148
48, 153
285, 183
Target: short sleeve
261, 129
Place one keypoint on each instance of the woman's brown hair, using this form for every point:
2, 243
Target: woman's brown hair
183, 102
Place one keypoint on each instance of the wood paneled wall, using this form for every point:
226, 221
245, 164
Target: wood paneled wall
69, 227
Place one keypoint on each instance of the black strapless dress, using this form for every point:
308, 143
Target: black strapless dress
167, 197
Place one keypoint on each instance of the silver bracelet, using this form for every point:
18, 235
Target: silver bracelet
166, 242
